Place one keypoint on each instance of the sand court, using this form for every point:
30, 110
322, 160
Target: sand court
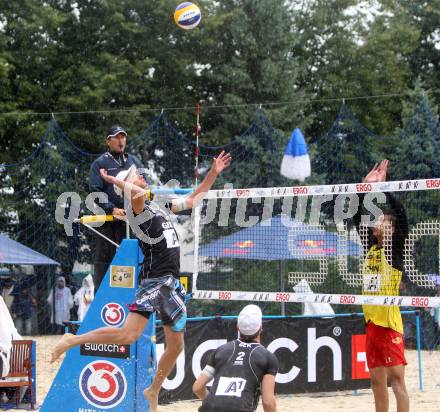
427, 400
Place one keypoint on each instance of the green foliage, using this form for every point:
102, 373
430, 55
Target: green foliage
340, 150
417, 153
424, 60
120, 61
353, 51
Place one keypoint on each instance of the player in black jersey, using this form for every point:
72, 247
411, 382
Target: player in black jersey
159, 287
241, 369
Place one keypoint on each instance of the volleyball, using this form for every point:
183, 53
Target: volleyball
187, 15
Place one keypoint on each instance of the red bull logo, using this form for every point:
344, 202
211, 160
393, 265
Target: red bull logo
102, 384
315, 247
240, 248
245, 244
312, 243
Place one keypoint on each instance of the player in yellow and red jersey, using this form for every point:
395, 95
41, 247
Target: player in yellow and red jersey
382, 275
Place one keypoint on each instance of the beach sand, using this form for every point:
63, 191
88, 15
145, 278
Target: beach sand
427, 400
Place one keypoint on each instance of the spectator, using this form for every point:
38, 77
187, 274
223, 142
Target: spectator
61, 305
7, 286
84, 296
22, 309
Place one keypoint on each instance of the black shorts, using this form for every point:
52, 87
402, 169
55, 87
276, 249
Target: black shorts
165, 295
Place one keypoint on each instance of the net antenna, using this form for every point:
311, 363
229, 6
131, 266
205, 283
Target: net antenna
243, 235
198, 131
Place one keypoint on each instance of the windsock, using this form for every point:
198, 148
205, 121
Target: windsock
296, 160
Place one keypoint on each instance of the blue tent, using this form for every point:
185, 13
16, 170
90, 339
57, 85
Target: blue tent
280, 238
14, 253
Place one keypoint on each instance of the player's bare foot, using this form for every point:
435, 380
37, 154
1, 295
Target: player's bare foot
152, 397
61, 347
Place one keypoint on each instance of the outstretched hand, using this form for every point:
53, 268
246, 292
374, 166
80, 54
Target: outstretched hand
378, 173
221, 162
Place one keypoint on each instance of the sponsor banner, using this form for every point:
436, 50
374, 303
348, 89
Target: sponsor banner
359, 368
395, 186
184, 281
92, 390
106, 350
315, 354
113, 314
337, 299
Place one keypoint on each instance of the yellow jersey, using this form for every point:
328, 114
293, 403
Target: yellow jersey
380, 278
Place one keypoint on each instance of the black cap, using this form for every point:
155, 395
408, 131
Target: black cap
115, 130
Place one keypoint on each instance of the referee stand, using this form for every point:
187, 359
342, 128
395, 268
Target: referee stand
96, 377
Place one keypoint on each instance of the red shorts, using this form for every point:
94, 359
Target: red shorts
385, 347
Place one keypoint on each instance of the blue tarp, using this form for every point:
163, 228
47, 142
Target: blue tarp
280, 238
14, 253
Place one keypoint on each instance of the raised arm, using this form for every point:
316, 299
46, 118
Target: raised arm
221, 162
377, 174
136, 194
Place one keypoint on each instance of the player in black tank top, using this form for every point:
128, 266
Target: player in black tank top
241, 369
161, 247
159, 288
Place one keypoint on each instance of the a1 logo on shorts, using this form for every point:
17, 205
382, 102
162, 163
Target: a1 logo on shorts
230, 386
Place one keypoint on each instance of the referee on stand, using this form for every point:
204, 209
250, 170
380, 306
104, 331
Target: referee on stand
113, 161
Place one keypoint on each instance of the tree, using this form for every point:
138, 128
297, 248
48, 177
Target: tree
417, 156
424, 60
246, 58
418, 151
345, 153
354, 50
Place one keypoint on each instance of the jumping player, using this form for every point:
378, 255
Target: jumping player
241, 369
382, 274
159, 287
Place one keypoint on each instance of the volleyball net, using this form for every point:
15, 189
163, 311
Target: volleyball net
319, 244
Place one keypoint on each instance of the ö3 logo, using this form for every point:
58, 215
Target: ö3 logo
113, 314
102, 384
